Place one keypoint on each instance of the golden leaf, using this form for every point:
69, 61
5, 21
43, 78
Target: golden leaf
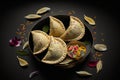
22, 62
99, 66
26, 44
83, 73
89, 20
43, 10
32, 16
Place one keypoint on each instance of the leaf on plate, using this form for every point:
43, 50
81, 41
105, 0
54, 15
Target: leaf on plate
86, 42
89, 20
22, 62
34, 73
45, 28
22, 53
26, 44
99, 66
83, 73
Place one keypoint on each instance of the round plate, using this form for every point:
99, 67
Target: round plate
87, 39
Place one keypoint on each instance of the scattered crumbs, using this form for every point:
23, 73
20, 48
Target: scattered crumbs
28, 22
51, 12
18, 33
97, 55
45, 14
101, 34
94, 28
71, 12
94, 17
102, 40
94, 38
21, 30
94, 33
22, 27
60, 11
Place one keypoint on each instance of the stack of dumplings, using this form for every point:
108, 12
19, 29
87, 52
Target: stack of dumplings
55, 41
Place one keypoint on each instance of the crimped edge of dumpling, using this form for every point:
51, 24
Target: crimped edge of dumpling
45, 47
61, 58
83, 28
59, 21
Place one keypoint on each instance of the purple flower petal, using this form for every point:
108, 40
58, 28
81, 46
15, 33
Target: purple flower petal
15, 42
18, 43
92, 63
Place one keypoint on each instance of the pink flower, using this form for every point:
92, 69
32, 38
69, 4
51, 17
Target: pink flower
92, 63
15, 42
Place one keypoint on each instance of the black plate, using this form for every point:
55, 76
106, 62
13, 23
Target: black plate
65, 19
107, 18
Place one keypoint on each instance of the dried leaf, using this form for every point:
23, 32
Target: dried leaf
83, 73
22, 62
89, 20
43, 10
100, 47
34, 73
22, 53
45, 29
86, 42
32, 16
99, 66
26, 44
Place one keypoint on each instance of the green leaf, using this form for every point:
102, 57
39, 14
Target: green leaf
22, 53
45, 28
86, 42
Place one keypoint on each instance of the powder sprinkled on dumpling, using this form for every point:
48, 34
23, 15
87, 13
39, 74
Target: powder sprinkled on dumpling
75, 31
56, 27
40, 40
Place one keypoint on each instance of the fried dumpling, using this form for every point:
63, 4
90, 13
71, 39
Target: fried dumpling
56, 27
75, 31
40, 41
57, 51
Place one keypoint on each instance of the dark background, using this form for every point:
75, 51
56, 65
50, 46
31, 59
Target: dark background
107, 18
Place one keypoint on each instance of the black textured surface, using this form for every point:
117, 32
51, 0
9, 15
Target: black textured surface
107, 22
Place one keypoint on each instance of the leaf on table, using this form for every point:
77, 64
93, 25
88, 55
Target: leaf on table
89, 20
83, 73
43, 10
34, 73
99, 66
32, 16
22, 62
